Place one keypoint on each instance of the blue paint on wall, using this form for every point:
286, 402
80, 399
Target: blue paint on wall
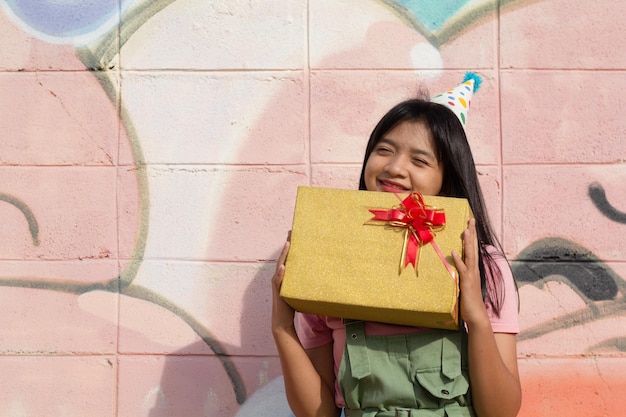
64, 18
433, 14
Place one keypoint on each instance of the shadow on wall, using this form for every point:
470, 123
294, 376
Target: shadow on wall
269, 401
199, 385
188, 385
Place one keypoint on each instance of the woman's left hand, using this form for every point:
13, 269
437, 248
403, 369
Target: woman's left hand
472, 306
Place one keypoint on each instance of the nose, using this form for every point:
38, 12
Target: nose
396, 166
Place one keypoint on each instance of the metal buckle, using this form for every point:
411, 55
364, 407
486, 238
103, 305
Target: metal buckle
407, 410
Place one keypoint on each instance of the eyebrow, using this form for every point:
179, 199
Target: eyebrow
414, 151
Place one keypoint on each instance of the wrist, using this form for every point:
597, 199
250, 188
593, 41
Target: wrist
280, 331
479, 323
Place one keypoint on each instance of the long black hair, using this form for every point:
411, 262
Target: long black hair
460, 178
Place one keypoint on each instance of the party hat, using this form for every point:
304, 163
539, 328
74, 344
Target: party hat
458, 98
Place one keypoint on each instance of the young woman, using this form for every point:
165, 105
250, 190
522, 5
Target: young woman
418, 146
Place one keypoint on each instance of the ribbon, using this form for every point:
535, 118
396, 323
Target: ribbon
421, 223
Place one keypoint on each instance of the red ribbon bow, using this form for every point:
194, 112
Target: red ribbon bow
420, 221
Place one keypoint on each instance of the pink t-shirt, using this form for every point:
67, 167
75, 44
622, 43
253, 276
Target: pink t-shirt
315, 331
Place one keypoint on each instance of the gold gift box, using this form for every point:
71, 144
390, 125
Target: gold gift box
341, 264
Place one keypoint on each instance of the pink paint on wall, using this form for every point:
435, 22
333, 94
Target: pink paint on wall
147, 182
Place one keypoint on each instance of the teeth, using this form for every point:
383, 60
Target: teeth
397, 187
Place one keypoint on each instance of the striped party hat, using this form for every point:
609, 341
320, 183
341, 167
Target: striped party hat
458, 98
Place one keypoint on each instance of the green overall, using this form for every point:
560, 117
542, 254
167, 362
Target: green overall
421, 374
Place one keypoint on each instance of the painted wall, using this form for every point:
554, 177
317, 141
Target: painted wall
149, 159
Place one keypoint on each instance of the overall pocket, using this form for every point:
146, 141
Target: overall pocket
439, 369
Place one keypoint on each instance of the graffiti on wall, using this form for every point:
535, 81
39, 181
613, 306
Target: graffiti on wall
96, 41
563, 260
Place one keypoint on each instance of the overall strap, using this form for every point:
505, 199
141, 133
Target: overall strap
357, 349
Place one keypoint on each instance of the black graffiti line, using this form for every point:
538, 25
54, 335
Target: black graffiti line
145, 294
553, 257
110, 44
33, 226
211, 341
574, 319
598, 197
561, 260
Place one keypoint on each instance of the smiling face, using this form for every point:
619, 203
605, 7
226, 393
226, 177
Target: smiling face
404, 160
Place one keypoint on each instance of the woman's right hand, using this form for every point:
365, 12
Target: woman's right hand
282, 313
308, 392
